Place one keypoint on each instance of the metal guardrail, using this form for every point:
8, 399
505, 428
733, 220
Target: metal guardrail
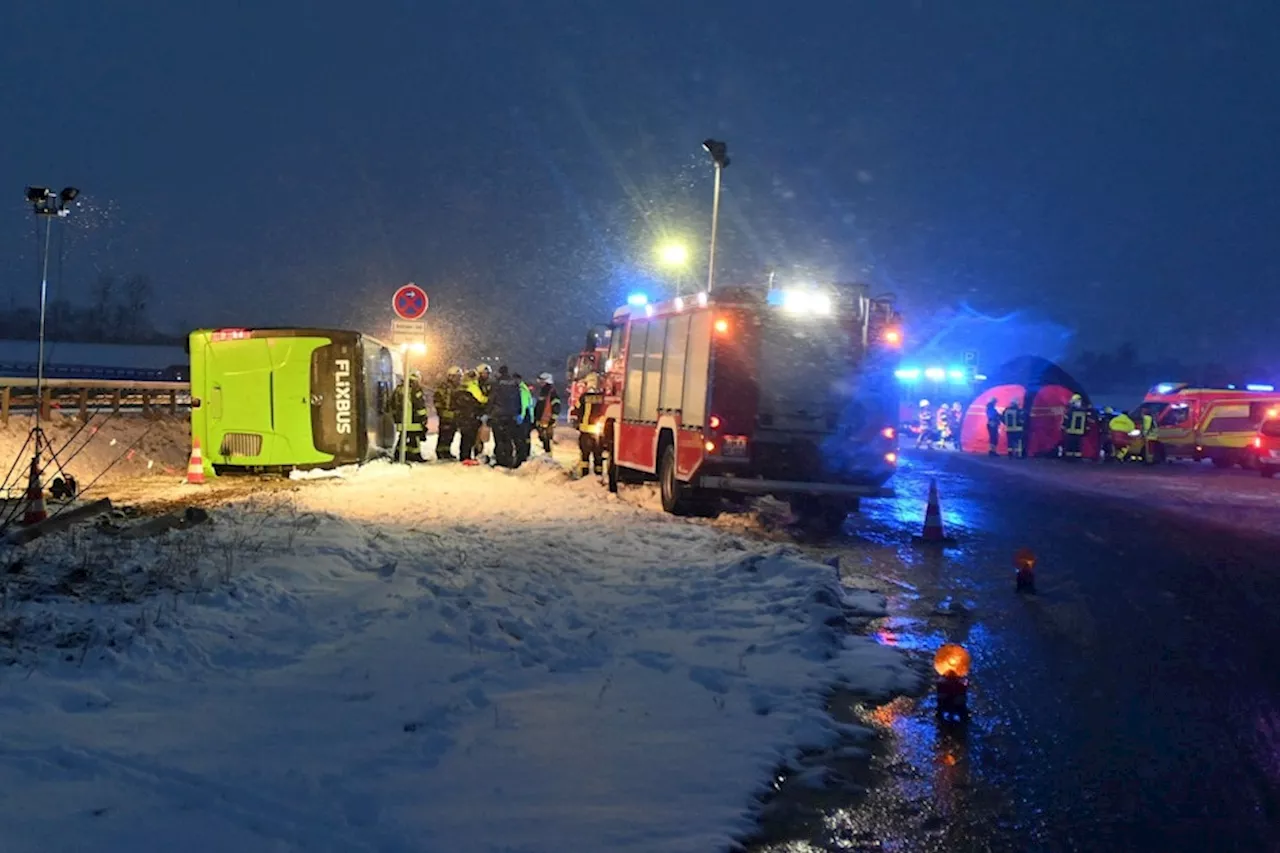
19, 392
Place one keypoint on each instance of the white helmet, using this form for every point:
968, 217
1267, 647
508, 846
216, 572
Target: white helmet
545, 378
924, 403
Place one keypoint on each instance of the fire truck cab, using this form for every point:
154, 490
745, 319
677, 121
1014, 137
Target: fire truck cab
749, 391
1218, 424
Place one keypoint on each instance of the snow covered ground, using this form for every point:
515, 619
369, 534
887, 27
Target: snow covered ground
118, 447
433, 658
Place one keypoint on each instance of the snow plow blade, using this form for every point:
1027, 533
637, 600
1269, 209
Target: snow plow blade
788, 487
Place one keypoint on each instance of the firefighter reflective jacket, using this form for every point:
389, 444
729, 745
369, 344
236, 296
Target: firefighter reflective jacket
470, 404
417, 404
590, 409
1075, 421
1013, 419
445, 399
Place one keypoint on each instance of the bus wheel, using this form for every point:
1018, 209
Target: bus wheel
675, 494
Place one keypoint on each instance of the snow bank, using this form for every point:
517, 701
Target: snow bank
430, 658
129, 445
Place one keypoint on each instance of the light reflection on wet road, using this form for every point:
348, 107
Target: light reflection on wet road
1132, 704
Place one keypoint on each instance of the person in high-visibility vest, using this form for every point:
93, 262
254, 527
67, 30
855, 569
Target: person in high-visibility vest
1013, 424
588, 417
416, 431
1074, 424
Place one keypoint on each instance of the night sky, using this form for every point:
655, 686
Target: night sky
1106, 170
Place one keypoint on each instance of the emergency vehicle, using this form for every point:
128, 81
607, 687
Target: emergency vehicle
749, 391
1266, 444
1218, 424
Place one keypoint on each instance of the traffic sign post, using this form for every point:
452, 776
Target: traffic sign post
410, 333
410, 302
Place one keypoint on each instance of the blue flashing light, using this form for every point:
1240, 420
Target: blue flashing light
637, 300
1164, 387
955, 374
776, 297
1259, 387
935, 374
907, 374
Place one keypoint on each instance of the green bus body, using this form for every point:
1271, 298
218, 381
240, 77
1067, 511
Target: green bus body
278, 399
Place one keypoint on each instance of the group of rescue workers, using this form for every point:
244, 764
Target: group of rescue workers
940, 428
476, 406
1116, 435
1118, 438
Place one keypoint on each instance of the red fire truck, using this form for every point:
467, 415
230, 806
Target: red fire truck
748, 391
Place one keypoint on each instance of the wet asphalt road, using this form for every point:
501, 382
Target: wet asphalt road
1133, 704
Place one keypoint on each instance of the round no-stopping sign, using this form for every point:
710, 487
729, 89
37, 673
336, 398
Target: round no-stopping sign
410, 302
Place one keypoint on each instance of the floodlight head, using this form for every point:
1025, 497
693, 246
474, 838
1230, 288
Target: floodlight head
35, 195
68, 194
718, 150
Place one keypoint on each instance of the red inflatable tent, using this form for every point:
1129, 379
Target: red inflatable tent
1040, 387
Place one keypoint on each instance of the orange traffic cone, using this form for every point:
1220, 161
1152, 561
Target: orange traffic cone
195, 467
35, 497
932, 532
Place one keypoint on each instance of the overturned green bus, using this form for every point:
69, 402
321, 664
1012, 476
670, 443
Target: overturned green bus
279, 399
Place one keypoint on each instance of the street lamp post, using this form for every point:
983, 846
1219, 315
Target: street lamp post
45, 202
720, 158
675, 256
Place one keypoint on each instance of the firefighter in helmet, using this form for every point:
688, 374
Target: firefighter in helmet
446, 398
588, 416
484, 376
548, 410
925, 418
1014, 421
415, 432
1075, 423
470, 407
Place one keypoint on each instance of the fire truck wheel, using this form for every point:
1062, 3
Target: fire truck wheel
676, 497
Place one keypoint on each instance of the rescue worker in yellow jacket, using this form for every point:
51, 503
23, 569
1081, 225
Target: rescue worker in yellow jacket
470, 407
587, 417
